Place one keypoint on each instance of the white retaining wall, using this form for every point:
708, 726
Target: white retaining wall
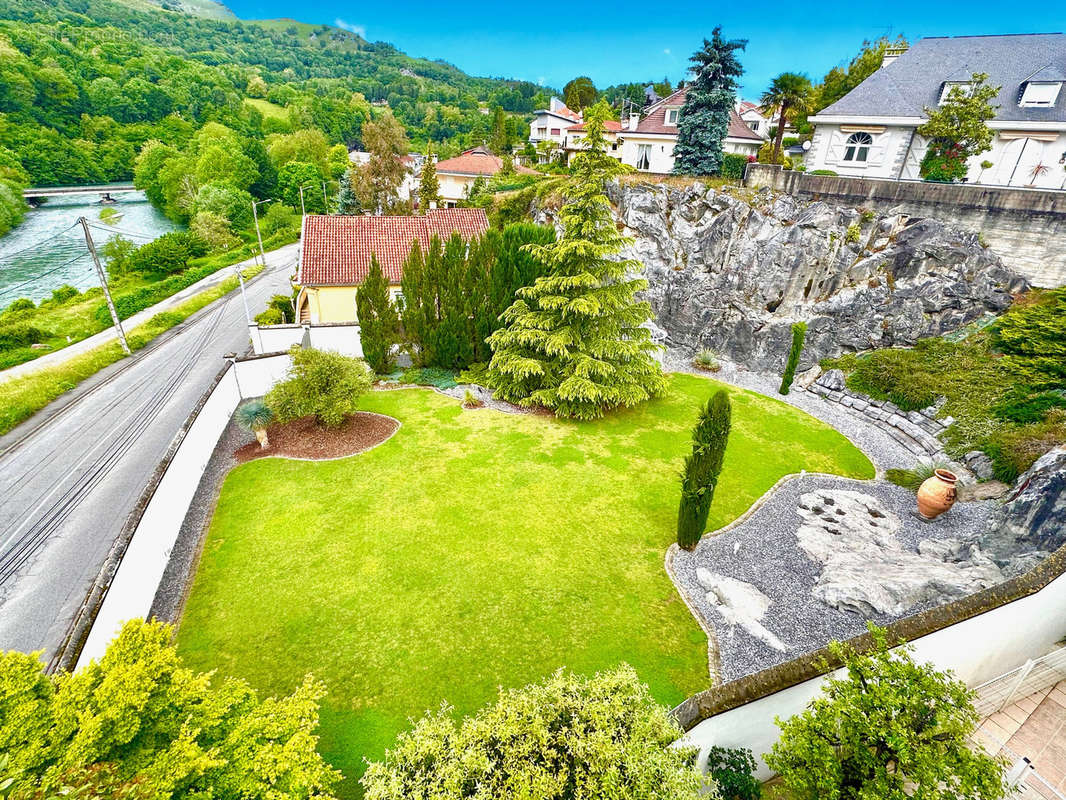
340, 337
131, 592
976, 650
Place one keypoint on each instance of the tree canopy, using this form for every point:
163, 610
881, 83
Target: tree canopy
580, 93
709, 101
789, 94
958, 128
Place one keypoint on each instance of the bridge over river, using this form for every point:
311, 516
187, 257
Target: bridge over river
106, 191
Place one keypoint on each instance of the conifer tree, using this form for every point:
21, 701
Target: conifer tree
704, 119
700, 475
574, 341
347, 197
379, 324
429, 184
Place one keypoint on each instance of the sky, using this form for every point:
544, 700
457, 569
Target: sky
636, 40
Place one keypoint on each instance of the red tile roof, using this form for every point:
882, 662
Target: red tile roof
336, 250
561, 111
477, 161
655, 121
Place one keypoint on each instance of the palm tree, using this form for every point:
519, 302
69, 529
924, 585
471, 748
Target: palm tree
255, 416
789, 92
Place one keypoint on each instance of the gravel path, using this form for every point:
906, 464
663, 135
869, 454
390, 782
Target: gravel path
884, 451
763, 551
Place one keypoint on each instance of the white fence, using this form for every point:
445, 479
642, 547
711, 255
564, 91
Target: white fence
1033, 676
134, 586
342, 337
976, 650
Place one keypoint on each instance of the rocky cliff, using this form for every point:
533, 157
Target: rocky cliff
732, 269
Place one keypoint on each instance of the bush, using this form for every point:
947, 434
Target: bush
64, 294
916, 476
279, 218
707, 360
799, 333
1025, 408
700, 474
894, 374
321, 383
733, 166
215, 230
470, 400
22, 304
828, 172
116, 252
733, 771
429, 376
271, 316
168, 254
19, 334
851, 235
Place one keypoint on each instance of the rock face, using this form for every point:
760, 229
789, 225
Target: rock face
739, 603
867, 570
731, 270
1032, 523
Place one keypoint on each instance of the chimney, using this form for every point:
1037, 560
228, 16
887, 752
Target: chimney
634, 120
892, 53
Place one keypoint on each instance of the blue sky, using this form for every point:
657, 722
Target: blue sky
631, 40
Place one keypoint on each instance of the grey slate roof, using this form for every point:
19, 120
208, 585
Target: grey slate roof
913, 81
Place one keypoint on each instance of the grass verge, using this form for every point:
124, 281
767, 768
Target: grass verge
21, 398
475, 549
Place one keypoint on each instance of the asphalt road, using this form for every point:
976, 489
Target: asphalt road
71, 476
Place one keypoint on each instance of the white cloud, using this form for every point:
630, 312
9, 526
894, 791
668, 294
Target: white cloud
358, 30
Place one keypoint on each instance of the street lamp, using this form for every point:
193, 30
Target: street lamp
258, 234
303, 211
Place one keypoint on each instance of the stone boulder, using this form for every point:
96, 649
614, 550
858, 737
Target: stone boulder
731, 269
1032, 523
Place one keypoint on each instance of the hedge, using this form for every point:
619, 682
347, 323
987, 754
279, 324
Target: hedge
733, 166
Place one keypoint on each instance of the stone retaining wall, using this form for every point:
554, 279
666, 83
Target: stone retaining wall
918, 431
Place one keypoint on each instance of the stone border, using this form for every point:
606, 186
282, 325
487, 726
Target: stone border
772, 680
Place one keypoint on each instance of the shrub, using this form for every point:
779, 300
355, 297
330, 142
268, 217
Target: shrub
799, 333
321, 383
599, 737
168, 254
19, 334
733, 166
828, 172
700, 474
470, 400
116, 252
271, 316
1025, 408
255, 416
706, 359
733, 771
894, 374
130, 303
429, 376
279, 218
64, 294
851, 235
215, 230
916, 476
22, 304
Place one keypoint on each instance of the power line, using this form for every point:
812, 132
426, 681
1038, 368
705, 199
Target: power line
37, 245
112, 229
35, 278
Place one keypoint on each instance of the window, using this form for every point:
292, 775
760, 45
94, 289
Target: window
671, 116
966, 87
555, 131
542, 131
644, 156
754, 125
857, 148
1040, 95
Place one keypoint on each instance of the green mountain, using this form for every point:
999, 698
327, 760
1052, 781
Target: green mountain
85, 83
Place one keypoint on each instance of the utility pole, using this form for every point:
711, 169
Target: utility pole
303, 211
325, 202
258, 233
103, 284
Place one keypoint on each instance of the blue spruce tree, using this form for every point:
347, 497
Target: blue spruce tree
704, 119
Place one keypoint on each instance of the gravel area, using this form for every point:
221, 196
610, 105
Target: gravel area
305, 439
763, 551
884, 451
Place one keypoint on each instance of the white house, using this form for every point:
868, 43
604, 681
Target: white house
457, 175
574, 142
872, 131
648, 143
550, 124
753, 117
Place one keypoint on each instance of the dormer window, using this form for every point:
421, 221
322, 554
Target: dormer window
966, 87
1040, 95
671, 116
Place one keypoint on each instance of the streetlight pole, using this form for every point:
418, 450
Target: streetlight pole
325, 202
258, 233
303, 211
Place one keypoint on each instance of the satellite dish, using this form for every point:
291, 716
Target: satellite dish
807, 145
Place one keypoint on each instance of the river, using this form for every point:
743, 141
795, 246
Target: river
48, 248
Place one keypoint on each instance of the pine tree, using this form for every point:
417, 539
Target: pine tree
379, 324
429, 184
347, 197
574, 340
700, 475
704, 119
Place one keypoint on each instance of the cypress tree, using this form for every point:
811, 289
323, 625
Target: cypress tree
799, 334
704, 119
574, 340
413, 313
700, 475
429, 184
379, 324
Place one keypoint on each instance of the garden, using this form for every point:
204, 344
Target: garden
475, 549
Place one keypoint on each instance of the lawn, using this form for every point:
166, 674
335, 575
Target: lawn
474, 549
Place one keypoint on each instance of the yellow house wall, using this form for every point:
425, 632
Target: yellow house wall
453, 187
336, 303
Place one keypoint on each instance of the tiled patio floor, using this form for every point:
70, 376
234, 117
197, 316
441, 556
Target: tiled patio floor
1033, 727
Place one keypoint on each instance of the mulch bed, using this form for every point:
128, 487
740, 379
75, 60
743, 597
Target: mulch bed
304, 438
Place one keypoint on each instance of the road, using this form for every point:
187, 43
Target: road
69, 483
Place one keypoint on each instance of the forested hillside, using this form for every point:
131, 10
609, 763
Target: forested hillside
85, 83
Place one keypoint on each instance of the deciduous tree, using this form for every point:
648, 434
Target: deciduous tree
575, 340
580, 93
704, 118
958, 129
889, 728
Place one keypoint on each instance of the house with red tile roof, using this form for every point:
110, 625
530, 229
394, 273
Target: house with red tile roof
457, 175
550, 124
754, 118
648, 142
335, 254
574, 142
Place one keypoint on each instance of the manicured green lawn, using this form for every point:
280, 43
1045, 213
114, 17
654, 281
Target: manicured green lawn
474, 549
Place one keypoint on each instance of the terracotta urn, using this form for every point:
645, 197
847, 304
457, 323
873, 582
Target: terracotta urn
936, 494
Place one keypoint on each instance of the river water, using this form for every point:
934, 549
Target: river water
48, 248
